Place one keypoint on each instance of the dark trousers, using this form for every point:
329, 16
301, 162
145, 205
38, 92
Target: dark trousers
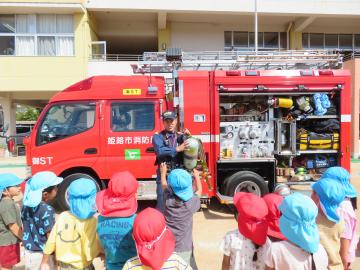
160, 204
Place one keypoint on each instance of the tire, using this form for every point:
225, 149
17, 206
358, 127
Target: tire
61, 197
246, 181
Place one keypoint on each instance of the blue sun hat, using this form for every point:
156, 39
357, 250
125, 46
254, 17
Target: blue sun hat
331, 194
181, 183
298, 221
8, 180
36, 185
82, 198
343, 176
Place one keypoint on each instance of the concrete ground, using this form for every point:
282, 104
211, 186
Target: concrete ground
210, 224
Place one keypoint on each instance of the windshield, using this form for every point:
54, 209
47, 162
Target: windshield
64, 120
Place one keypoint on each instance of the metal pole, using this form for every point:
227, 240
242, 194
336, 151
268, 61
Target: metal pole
256, 28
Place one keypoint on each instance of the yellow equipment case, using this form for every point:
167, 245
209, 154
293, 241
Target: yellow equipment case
314, 140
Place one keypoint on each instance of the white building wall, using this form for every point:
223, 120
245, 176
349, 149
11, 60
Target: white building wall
210, 36
110, 68
197, 37
311, 7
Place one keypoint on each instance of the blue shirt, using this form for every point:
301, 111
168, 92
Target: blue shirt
115, 234
37, 222
165, 146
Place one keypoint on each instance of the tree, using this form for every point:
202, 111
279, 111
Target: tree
27, 114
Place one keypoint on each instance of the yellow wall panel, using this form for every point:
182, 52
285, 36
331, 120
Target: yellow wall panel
164, 38
31, 73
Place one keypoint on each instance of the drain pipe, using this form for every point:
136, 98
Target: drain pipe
288, 35
256, 28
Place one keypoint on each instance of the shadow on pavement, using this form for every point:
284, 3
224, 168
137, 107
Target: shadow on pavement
217, 211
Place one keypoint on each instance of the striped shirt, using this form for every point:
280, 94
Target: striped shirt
174, 262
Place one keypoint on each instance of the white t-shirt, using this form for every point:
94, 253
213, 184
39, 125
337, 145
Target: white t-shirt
284, 255
241, 251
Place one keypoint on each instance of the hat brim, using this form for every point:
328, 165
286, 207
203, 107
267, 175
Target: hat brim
331, 212
305, 236
15, 183
350, 191
110, 206
329, 209
185, 194
32, 198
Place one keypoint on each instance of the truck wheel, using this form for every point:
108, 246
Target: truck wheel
245, 181
61, 197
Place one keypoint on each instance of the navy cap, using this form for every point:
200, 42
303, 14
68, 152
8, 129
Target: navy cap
169, 115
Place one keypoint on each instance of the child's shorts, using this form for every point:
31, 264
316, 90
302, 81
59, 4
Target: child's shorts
9, 255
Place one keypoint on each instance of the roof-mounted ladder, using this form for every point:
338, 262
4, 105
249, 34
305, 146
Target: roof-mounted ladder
175, 59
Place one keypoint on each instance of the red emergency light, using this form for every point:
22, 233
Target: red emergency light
326, 72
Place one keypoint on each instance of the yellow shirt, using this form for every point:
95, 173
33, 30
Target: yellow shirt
74, 241
330, 233
174, 262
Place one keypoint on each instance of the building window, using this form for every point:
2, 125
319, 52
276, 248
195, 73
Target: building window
271, 40
330, 41
240, 40
228, 38
346, 41
357, 41
305, 40
37, 35
316, 41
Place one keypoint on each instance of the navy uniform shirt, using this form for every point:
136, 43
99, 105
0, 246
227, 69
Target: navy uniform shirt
165, 147
37, 222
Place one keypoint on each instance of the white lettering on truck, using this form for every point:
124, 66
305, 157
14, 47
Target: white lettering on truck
129, 140
42, 160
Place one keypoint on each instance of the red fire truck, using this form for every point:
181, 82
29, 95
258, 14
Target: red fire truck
258, 127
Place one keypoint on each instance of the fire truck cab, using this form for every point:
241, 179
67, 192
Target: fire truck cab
258, 127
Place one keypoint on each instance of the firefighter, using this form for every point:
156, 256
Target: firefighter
168, 145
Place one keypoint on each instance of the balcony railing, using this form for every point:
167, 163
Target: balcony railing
116, 57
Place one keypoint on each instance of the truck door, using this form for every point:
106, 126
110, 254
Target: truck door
67, 136
129, 127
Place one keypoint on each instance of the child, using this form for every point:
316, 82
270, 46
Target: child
10, 221
327, 195
73, 238
155, 244
180, 205
243, 248
117, 206
273, 201
38, 216
349, 238
302, 250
